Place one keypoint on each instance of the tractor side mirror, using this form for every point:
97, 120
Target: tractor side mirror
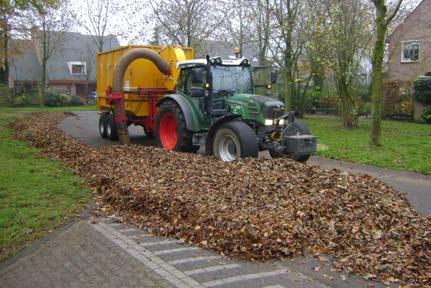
273, 77
197, 76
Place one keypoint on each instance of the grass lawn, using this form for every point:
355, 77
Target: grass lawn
36, 194
406, 146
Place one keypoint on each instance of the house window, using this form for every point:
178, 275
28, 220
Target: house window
410, 52
77, 68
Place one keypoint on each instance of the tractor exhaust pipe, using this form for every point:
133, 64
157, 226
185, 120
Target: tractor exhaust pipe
117, 85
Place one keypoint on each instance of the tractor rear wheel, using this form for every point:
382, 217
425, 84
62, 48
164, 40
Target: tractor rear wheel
170, 130
111, 128
234, 140
102, 125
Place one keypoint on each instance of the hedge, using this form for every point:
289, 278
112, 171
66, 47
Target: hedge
422, 89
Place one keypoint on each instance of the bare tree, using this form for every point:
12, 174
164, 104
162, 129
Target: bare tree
87, 55
97, 19
49, 23
382, 20
261, 24
239, 24
188, 22
287, 45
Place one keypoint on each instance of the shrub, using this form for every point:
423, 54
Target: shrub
28, 98
75, 101
5, 95
54, 98
426, 115
397, 99
422, 89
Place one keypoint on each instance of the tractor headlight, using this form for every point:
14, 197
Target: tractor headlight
281, 122
269, 122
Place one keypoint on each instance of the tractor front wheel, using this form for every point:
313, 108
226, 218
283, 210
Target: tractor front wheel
171, 132
234, 140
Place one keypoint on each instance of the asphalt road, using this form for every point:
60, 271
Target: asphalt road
416, 186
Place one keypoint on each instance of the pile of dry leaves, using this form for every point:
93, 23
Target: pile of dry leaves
255, 209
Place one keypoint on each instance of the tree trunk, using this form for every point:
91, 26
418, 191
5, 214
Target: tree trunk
44, 59
377, 78
42, 85
288, 78
4, 69
349, 115
288, 91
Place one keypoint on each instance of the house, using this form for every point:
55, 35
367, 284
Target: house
409, 48
410, 45
71, 69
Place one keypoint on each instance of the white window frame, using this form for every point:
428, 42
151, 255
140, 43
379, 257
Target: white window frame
80, 63
403, 46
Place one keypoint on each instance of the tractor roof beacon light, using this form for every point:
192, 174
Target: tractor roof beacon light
237, 52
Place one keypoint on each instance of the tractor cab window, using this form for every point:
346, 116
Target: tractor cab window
232, 80
192, 81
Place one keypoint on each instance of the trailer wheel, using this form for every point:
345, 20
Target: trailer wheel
102, 125
170, 130
111, 128
234, 140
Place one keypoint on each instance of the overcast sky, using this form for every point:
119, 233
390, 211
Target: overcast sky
134, 24
131, 23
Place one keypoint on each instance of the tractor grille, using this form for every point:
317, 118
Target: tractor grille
253, 111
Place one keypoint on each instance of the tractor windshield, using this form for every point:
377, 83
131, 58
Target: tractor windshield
232, 80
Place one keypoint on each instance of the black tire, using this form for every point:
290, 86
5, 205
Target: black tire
111, 128
233, 140
184, 136
299, 158
102, 125
148, 134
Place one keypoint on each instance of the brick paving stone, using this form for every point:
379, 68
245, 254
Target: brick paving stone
79, 257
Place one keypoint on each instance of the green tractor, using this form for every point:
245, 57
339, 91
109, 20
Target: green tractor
215, 110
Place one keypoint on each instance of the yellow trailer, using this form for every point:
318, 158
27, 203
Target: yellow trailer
142, 78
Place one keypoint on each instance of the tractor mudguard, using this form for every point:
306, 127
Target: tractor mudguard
213, 129
185, 108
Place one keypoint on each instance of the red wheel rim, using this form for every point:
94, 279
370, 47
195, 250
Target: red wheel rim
168, 131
